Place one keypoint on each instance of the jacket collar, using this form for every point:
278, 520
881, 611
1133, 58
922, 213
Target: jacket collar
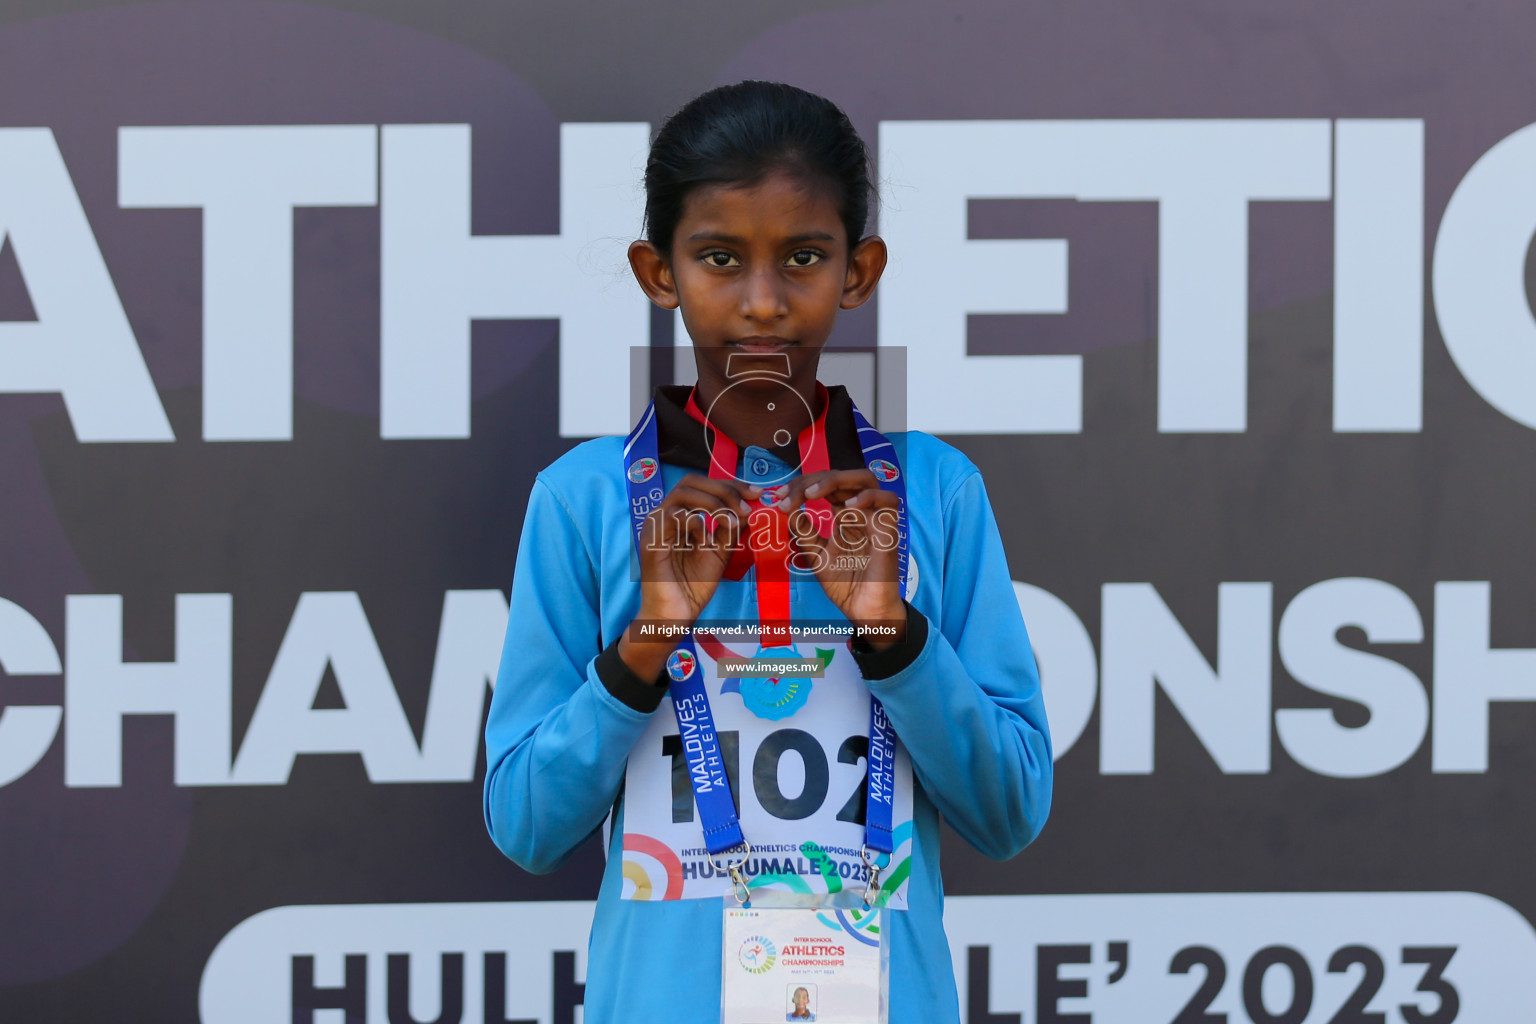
682, 442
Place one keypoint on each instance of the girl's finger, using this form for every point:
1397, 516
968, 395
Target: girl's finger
734, 493
832, 484
870, 516
711, 530
873, 494
872, 498
792, 494
687, 497
693, 524
727, 488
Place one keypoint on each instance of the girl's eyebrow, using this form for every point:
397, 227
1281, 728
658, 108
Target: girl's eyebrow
720, 236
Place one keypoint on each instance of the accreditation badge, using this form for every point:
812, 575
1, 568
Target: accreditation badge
789, 957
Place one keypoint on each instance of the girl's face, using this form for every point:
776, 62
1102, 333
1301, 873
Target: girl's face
760, 270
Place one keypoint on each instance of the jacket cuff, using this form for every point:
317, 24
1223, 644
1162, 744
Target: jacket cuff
626, 687
875, 664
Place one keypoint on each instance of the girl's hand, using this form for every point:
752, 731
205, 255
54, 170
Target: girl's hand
685, 544
858, 565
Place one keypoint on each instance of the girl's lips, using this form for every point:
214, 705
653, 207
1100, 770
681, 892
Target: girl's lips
761, 344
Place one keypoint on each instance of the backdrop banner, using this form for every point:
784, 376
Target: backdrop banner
1231, 304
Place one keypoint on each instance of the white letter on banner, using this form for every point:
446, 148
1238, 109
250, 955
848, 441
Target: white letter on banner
938, 276
1144, 646
100, 688
328, 629
247, 180
437, 277
1479, 276
1069, 670
1490, 946
1378, 275
1312, 654
250, 975
1202, 174
26, 731
469, 642
80, 345
1470, 675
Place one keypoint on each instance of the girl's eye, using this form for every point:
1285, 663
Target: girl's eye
805, 258
720, 259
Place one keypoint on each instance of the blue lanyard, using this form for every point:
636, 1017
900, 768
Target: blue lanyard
690, 699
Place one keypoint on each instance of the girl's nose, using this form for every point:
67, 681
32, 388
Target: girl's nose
762, 297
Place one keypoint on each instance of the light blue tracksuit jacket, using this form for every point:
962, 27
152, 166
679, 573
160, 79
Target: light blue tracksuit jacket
967, 708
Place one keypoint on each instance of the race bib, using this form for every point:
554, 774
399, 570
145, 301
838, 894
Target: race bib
795, 752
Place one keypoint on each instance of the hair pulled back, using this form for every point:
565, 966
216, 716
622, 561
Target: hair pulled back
738, 135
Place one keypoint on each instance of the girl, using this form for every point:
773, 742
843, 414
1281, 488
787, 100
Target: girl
756, 498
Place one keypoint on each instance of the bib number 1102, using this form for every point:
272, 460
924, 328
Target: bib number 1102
766, 764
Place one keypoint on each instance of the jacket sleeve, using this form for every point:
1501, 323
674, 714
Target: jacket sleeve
564, 716
968, 706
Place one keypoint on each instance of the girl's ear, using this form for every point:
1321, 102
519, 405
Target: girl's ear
865, 265
654, 273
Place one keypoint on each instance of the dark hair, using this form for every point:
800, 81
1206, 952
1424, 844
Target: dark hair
737, 135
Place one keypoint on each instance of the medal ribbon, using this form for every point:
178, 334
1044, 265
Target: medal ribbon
690, 699
880, 796
768, 545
